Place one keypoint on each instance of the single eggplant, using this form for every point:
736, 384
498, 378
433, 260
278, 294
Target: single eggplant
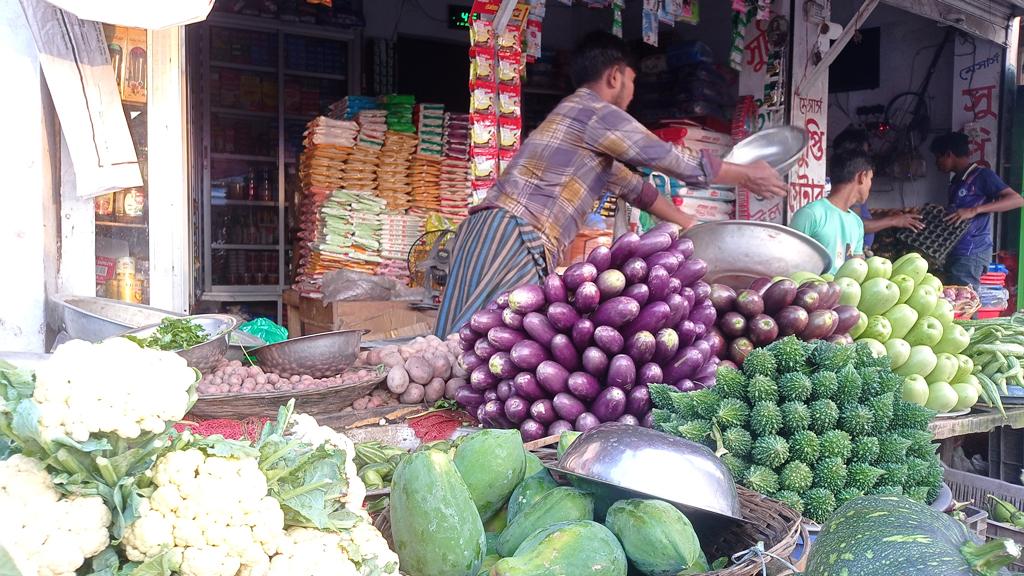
586, 421
684, 365
749, 303
624, 248
650, 373
761, 284
652, 318
701, 291
848, 318
470, 361
482, 321
563, 352
622, 372
512, 320
691, 271
652, 243
706, 375
635, 270
610, 283
821, 325
668, 260
609, 339
628, 419
680, 309
639, 292
666, 227
610, 404
657, 282
568, 407
543, 411
830, 297
502, 300
687, 333
493, 306
763, 330
601, 258
716, 342
733, 324
552, 377
739, 349
779, 295
532, 430
648, 420
501, 365
467, 337
526, 299
484, 349
494, 415
689, 295
469, 398
517, 409
595, 361
843, 339
641, 346
686, 385
807, 298
704, 315
577, 274
723, 298
528, 354
584, 386
639, 400
674, 285
504, 338
666, 344
587, 298
684, 247
482, 379
525, 385
792, 320
558, 426
583, 333
617, 312
539, 328
554, 289
504, 390
562, 316
704, 348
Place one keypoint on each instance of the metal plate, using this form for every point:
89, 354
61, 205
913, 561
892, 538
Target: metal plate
780, 147
963, 412
95, 319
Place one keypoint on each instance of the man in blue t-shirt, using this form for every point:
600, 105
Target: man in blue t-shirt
975, 192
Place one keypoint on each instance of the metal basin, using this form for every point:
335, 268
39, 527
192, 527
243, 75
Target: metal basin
739, 251
206, 356
780, 147
319, 355
94, 319
615, 461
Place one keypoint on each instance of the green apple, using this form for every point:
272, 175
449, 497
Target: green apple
923, 300
902, 318
912, 265
915, 389
906, 285
931, 280
927, 332
954, 339
943, 312
973, 381
877, 348
945, 369
941, 397
879, 267
849, 291
855, 268
877, 295
921, 361
878, 329
859, 327
965, 368
802, 276
967, 396
898, 350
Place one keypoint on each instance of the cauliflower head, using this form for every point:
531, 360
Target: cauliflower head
45, 534
114, 386
212, 513
360, 551
306, 429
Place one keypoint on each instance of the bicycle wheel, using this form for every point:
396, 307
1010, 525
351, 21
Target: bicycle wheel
907, 113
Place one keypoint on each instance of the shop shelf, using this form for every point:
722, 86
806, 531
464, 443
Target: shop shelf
242, 113
216, 246
122, 225
242, 157
245, 67
244, 203
320, 75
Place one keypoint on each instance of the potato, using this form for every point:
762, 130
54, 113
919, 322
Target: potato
392, 360
453, 386
442, 366
360, 403
419, 370
434, 391
398, 380
413, 394
458, 371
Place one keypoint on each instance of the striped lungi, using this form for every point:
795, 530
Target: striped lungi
493, 252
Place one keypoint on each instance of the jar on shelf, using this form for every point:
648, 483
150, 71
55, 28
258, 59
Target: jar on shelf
105, 207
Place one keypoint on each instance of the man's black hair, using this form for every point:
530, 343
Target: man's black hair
956, 142
851, 140
845, 166
598, 52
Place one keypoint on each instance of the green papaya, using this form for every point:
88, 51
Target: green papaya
497, 522
489, 562
533, 465
566, 440
434, 523
492, 543
529, 491
658, 539
492, 463
566, 548
562, 504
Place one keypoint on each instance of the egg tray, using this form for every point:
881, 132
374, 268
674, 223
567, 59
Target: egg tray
938, 237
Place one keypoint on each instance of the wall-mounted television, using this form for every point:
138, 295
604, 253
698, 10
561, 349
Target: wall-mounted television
858, 65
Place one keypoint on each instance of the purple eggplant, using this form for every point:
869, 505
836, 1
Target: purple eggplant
552, 377
554, 289
494, 415
733, 324
843, 339
610, 404
611, 283
652, 243
649, 373
820, 325
468, 397
641, 346
648, 420
830, 296
701, 329
684, 365
595, 361
501, 365
716, 342
601, 258
779, 295
763, 330
532, 430
848, 318
493, 306
502, 300
586, 421
684, 247
761, 284
739, 349
679, 307
525, 385
562, 316
689, 295
749, 303
512, 320
608, 339
723, 298
691, 271
481, 322
558, 426
526, 299
639, 292
484, 349
543, 411
639, 400
807, 298
666, 227
539, 328
687, 333
704, 348
584, 386
628, 419
687, 385
792, 320
701, 291
652, 318
668, 260
504, 338
482, 379
587, 298
528, 354
504, 390
467, 337
622, 372
657, 282
674, 285
624, 248
728, 364
583, 333
568, 407
577, 274
706, 375
563, 352
517, 409
666, 344
617, 312
704, 315
470, 361
635, 270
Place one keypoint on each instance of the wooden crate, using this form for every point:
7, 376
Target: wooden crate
384, 319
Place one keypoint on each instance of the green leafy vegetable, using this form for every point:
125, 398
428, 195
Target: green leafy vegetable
173, 334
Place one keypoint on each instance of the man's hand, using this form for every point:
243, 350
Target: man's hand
962, 215
763, 181
908, 221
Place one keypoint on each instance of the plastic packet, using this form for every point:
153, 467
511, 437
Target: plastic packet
266, 330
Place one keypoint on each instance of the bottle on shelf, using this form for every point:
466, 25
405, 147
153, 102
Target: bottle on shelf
251, 181
131, 208
265, 189
105, 207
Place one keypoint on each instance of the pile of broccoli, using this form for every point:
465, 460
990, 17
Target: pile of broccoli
811, 424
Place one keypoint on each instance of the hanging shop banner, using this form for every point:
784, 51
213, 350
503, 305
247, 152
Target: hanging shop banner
808, 110
977, 70
149, 14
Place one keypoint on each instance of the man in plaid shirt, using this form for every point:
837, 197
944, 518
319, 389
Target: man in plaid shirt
563, 168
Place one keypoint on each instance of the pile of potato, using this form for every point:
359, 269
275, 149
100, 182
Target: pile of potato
236, 378
425, 370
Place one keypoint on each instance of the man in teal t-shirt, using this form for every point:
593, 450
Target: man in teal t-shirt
830, 220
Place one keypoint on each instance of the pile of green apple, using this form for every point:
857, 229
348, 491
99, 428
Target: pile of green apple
904, 316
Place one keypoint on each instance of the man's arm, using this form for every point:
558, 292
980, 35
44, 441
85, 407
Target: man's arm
632, 188
910, 221
1007, 200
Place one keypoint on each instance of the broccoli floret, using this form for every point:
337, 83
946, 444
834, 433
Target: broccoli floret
892, 449
737, 465
796, 416
824, 386
737, 441
804, 446
862, 476
835, 444
762, 389
913, 416
791, 499
789, 354
705, 401
849, 385
819, 504
856, 419
765, 419
731, 383
795, 387
865, 450
832, 357
824, 415
759, 362
830, 474
732, 413
761, 479
796, 476
770, 451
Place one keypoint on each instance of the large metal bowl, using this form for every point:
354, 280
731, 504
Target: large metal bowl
781, 147
615, 461
738, 251
94, 319
319, 355
206, 356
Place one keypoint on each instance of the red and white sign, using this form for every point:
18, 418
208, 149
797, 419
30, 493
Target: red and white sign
977, 69
809, 110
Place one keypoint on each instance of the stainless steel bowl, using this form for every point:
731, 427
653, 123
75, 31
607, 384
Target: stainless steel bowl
94, 319
206, 356
738, 251
780, 146
615, 461
319, 355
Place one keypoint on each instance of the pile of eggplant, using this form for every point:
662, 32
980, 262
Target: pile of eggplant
581, 348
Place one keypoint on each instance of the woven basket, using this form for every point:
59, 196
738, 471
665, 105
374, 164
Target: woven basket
316, 403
